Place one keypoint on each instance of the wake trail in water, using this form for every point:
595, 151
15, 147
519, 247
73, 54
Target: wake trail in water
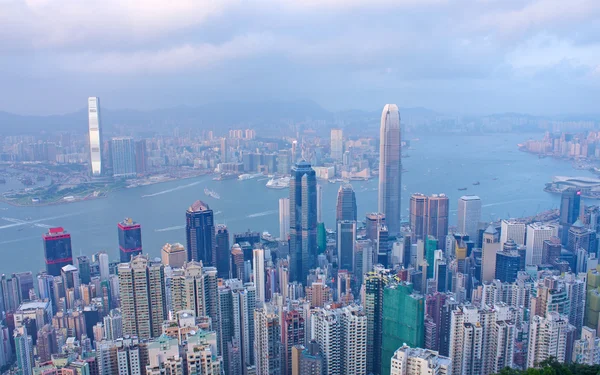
170, 228
264, 213
511, 201
18, 222
171, 190
19, 240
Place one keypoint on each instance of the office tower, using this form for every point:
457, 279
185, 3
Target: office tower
141, 157
292, 335
223, 251
346, 203
296, 153
508, 265
337, 145
24, 282
418, 361
258, 268
580, 237
23, 350
284, 162
284, 218
122, 151
537, 233
174, 255
570, 202
83, 265
200, 234
252, 238
319, 203
383, 245
375, 283
418, 211
303, 221
237, 263
130, 239
95, 134
469, 215
346, 237
551, 250
235, 328
549, 336
390, 167
482, 340
586, 350
267, 344
436, 218
512, 230
307, 360
403, 321
373, 221
57, 250
142, 290
490, 247
103, 265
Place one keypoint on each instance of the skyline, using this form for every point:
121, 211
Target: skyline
531, 56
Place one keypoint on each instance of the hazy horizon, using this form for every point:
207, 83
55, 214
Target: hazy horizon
470, 57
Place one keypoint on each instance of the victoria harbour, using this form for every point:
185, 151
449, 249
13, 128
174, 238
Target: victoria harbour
510, 185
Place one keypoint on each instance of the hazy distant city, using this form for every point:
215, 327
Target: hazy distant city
299, 188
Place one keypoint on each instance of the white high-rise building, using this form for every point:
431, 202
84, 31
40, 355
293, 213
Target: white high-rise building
284, 218
95, 134
337, 144
267, 340
122, 150
482, 340
319, 203
342, 338
390, 168
537, 233
512, 230
469, 215
418, 361
548, 337
258, 269
102, 259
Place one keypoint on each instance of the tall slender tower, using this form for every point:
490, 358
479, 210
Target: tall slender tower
390, 167
200, 233
223, 251
337, 144
284, 218
258, 268
95, 133
346, 203
303, 221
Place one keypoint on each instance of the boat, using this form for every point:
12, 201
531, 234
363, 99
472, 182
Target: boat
279, 183
212, 193
462, 189
476, 183
267, 237
248, 176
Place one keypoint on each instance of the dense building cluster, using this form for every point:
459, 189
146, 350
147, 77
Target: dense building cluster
378, 296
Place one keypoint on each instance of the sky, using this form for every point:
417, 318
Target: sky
453, 56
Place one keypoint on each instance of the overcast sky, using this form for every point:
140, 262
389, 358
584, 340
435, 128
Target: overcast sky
457, 56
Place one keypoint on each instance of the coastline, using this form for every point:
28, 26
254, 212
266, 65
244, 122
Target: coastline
103, 195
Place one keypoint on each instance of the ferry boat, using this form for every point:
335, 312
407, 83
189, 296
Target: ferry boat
279, 183
476, 183
248, 176
462, 189
212, 193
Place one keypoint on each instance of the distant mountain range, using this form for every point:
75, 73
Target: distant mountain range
218, 115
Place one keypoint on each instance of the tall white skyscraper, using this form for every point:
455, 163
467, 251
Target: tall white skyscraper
258, 268
537, 233
319, 203
548, 337
337, 144
469, 215
512, 230
390, 167
102, 259
95, 133
284, 218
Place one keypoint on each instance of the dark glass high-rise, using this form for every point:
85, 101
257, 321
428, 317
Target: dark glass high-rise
200, 234
57, 250
303, 221
223, 251
130, 239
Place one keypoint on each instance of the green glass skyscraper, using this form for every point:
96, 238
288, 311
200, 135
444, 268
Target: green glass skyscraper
403, 321
431, 245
